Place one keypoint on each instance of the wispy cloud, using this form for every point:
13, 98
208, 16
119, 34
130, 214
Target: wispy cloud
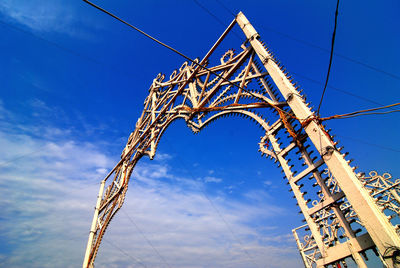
50, 198
212, 179
45, 16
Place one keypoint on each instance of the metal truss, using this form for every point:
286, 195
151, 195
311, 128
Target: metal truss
385, 192
251, 83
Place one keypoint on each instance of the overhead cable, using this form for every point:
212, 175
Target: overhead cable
125, 253
331, 56
147, 240
368, 66
312, 80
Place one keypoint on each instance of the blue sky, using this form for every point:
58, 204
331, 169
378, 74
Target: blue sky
73, 84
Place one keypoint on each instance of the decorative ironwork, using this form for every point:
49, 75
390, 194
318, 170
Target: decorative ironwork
251, 83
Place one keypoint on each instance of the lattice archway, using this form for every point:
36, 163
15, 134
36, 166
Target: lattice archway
253, 84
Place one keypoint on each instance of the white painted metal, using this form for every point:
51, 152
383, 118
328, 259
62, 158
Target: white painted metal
199, 96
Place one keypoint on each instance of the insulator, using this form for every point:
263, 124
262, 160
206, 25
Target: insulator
336, 143
320, 191
354, 168
294, 172
346, 210
349, 161
290, 190
300, 212
315, 184
314, 158
294, 197
307, 229
304, 193
364, 255
345, 154
352, 221
361, 174
340, 202
307, 146
390, 217
301, 185
308, 201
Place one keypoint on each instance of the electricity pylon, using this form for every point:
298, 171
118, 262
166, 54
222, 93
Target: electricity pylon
251, 83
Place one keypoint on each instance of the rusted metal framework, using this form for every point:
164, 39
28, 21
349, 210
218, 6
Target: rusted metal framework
343, 211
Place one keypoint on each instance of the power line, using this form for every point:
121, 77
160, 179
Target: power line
368, 66
312, 80
147, 240
125, 253
361, 114
338, 89
364, 112
143, 33
5, 163
331, 56
226, 8
215, 17
372, 144
175, 51
212, 205
70, 51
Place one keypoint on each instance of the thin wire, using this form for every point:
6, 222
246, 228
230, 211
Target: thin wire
125, 253
331, 56
145, 237
373, 68
212, 204
372, 144
70, 51
142, 32
226, 8
362, 114
216, 18
5, 163
176, 51
298, 74
313, 80
338, 89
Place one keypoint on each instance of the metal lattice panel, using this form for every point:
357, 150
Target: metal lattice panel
251, 83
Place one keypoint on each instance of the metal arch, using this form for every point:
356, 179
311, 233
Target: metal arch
198, 96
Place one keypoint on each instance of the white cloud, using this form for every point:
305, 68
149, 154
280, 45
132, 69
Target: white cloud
212, 179
50, 195
46, 16
162, 156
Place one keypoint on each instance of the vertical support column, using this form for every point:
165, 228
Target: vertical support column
376, 223
153, 118
296, 237
93, 227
